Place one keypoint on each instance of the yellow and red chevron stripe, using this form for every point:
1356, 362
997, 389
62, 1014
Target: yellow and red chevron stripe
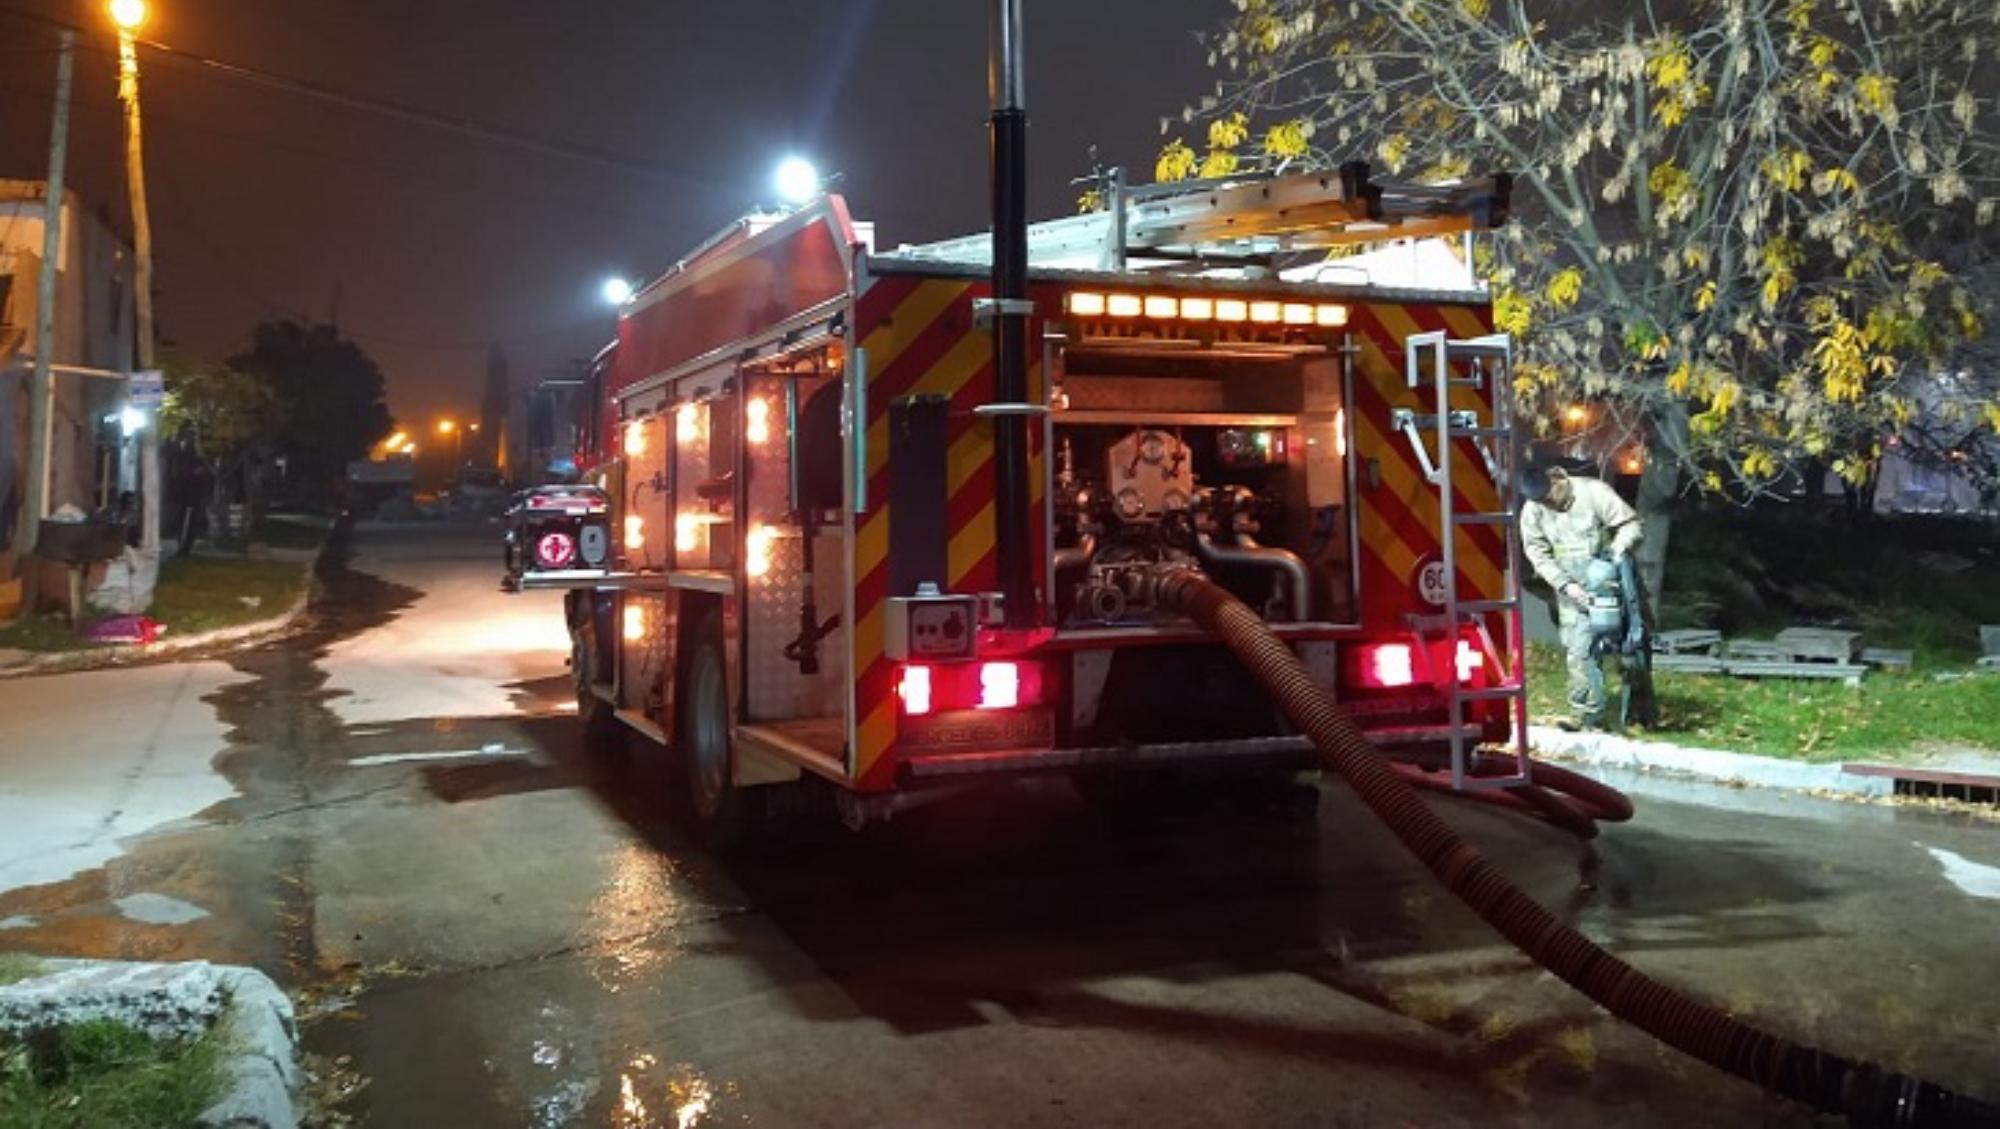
1399, 518
920, 339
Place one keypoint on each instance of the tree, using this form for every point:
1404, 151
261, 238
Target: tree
332, 392
1750, 229
224, 416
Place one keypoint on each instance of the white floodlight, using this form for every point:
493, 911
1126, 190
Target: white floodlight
617, 291
797, 180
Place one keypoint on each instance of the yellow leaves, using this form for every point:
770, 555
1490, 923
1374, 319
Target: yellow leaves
1725, 398
1823, 52
1695, 257
1843, 359
1394, 150
1565, 288
1712, 482
1925, 274
1512, 313
1672, 186
1669, 66
1704, 298
1287, 139
1799, 14
1218, 162
1475, 9
1779, 259
1788, 169
1679, 380
1877, 93
1177, 162
1827, 180
1443, 169
1854, 470
1969, 325
1759, 464
1229, 132
1992, 414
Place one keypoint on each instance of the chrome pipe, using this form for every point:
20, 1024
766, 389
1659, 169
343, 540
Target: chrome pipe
1248, 552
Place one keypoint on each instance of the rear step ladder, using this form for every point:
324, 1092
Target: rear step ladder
1436, 361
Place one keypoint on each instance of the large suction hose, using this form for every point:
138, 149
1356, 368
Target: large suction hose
1867, 1094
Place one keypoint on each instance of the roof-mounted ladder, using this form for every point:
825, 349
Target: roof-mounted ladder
1201, 222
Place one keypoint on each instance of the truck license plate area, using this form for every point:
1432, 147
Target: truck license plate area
980, 731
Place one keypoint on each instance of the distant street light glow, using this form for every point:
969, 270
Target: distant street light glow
797, 180
617, 291
446, 426
129, 15
132, 420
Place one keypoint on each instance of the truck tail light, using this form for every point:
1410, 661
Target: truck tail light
1385, 666
1471, 663
914, 687
999, 686
555, 550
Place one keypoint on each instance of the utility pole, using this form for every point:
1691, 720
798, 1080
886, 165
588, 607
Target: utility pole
129, 14
42, 389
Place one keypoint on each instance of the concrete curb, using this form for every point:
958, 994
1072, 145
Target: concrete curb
1610, 751
131, 654
249, 1012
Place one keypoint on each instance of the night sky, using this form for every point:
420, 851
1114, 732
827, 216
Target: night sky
436, 245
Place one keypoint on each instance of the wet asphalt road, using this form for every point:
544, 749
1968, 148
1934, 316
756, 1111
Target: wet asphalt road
500, 930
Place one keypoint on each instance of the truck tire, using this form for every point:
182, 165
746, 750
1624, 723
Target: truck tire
719, 813
602, 731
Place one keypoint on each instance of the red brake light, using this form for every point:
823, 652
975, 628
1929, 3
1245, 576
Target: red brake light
1387, 665
999, 686
914, 687
555, 550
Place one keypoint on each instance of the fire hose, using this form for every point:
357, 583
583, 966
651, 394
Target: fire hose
1866, 1094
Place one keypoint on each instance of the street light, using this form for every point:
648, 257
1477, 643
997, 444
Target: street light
797, 180
617, 291
129, 15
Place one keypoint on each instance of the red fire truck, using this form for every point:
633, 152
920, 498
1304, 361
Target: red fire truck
796, 435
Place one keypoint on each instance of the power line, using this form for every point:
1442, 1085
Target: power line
380, 107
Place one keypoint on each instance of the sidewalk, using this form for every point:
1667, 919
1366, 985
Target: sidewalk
21, 663
1966, 768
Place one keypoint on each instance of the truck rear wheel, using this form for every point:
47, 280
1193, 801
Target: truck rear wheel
720, 812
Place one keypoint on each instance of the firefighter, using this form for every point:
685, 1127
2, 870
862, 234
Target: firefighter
1565, 524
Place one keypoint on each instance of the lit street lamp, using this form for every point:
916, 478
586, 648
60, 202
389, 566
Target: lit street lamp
449, 427
129, 16
617, 291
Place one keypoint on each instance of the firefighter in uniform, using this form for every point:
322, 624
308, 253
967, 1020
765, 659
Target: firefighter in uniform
1565, 524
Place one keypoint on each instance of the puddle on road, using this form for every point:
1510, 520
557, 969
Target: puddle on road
158, 909
1975, 879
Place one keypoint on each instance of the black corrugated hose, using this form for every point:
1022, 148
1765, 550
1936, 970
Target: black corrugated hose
1865, 1094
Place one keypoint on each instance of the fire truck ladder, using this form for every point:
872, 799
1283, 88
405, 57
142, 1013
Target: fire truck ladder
1436, 361
1200, 224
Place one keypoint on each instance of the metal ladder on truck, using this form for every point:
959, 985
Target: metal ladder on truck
1435, 361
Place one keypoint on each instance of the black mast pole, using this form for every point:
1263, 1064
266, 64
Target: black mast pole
1009, 130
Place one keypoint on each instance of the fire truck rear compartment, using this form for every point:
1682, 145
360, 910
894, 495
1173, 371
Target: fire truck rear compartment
1229, 461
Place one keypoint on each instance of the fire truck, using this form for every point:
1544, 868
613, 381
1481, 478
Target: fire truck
802, 572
